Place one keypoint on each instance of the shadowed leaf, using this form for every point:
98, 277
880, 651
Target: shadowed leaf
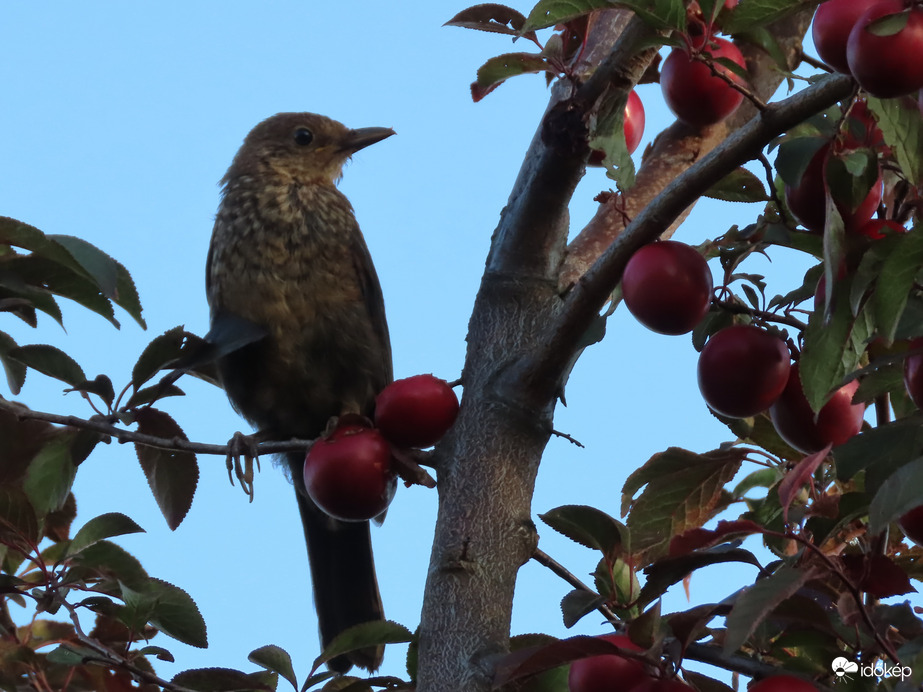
172, 475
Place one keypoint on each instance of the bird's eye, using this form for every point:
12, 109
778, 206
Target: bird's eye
303, 136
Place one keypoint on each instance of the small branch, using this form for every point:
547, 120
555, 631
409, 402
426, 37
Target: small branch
544, 559
567, 437
739, 309
584, 301
170, 444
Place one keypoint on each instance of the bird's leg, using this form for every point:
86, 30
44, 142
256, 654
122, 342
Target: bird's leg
244, 447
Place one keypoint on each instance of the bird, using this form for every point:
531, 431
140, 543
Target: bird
297, 320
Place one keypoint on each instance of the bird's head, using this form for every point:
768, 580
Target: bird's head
305, 147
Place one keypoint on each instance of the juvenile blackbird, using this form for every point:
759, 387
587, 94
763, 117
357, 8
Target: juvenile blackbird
289, 276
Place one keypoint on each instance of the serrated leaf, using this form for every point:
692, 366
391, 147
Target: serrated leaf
50, 361
608, 135
362, 636
500, 68
70, 655
796, 478
94, 262
275, 659
15, 371
222, 680
578, 603
757, 601
738, 186
107, 559
19, 524
683, 490
102, 527
172, 611
902, 127
795, 153
658, 14
172, 475
895, 281
899, 494
100, 385
158, 652
589, 527
756, 13
127, 295
550, 12
825, 358
148, 395
51, 475
490, 17
668, 571
161, 351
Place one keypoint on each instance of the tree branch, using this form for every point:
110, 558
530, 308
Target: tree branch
591, 292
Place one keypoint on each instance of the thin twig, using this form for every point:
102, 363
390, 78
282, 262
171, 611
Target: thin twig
544, 559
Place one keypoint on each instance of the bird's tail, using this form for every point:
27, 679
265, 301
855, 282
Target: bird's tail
343, 574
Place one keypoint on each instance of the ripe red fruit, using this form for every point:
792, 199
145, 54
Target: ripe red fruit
911, 524
833, 21
876, 229
634, 121
655, 685
608, 672
743, 370
782, 683
667, 287
913, 374
416, 411
348, 474
693, 93
887, 66
806, 199
837, 421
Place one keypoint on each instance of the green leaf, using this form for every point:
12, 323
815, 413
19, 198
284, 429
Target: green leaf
363, 636
50, 361
102, 527
751, 14
658, 14
51, 475
15, 371
275, 659
896, 280
161, 351
757, 601
795, 153
889, 24
902, 127
94, 262
497, 70
826, 357
172, 475
899, 494
608, 135
590, 527
738, 186
100, 385
171, 610
19, 525
550, 12
107, 558
683, 491
223, 680
664, 573
578, 603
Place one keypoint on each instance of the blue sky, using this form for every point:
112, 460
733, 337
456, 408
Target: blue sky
119, 120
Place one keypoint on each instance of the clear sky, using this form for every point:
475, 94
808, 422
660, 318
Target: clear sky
118, 121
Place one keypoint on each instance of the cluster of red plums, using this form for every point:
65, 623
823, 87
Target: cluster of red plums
743, 369
615, 673
349, 473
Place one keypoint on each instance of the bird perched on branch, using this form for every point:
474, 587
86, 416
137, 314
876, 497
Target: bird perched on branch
298, 322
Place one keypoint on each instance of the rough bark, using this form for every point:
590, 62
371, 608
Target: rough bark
522, 336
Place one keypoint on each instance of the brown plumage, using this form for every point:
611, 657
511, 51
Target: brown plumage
289, 275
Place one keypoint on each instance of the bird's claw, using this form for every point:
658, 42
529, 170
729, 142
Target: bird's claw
243, 452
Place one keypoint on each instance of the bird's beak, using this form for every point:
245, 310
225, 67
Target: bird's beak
363, 137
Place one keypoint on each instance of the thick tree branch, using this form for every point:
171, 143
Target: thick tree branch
591, 292
530, 239
677, 148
